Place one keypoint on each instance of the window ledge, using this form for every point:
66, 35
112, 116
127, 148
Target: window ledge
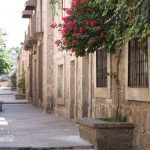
138, 94
103, 92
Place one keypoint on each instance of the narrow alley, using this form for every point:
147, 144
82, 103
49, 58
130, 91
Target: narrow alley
75, 75
25, 127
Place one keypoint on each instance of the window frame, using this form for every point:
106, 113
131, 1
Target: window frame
58, 62
138, 63
101, 65
102, 92
131, 93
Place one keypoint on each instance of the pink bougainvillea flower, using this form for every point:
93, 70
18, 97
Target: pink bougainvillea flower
74, 42
79, 34
90, 42
75, 28
54, 25
81, 30
67, 42
71, 28
74, 21
75, 3
64, 9
74, 34
87, 22
69, 11
93, 23
57, 42
89, 10
65, 19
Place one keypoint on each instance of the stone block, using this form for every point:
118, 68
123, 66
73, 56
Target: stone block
107, 135
20, 96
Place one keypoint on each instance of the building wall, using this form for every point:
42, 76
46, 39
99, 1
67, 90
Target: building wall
41, 56
135, 102
81, 97
23, 68
75, 79
47, 57
68, 83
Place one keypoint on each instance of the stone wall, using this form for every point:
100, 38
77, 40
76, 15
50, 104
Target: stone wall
137, 111
78, 95
22, 68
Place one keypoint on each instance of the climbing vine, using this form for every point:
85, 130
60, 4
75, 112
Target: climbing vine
94, 24
91, 25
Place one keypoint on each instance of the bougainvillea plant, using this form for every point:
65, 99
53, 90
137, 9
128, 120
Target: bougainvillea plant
94, 24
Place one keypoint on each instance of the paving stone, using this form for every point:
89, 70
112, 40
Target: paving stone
24, 126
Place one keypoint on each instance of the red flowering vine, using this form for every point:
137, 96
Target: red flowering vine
79, 32
91, 25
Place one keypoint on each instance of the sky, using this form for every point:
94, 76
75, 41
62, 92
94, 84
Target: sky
12, 22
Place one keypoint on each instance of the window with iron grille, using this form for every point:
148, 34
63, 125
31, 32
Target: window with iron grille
138, 63
101, 68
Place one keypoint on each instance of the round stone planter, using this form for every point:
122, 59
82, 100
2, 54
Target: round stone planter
107, 135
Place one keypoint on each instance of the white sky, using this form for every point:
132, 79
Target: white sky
12, 22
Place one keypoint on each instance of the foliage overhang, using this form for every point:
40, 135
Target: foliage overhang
95, 24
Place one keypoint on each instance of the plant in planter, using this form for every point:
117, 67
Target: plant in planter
21, 84
13, 81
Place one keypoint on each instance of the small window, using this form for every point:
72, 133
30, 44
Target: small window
138, 63
60, 81
101, 68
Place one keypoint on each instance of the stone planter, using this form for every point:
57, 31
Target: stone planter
107, 135
20, 96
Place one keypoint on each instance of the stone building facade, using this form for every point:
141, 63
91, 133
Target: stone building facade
38, 42
22, 68
71, 87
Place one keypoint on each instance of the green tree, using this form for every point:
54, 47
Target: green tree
5, 63
5, 60
2, 40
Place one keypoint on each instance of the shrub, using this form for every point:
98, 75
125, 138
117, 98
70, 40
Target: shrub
21, 84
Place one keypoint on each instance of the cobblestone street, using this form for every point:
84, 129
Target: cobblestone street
24, 126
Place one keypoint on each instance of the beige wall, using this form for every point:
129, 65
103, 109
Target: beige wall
101, 102
23, 68
41, 53
69, 83
134, 102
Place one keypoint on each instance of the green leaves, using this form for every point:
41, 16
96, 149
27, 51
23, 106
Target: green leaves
21, 83
5, 63
96, 24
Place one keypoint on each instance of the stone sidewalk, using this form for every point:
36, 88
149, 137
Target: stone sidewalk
24, 126
8, 96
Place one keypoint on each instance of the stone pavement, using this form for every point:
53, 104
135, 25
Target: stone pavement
7, 96
24, 126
